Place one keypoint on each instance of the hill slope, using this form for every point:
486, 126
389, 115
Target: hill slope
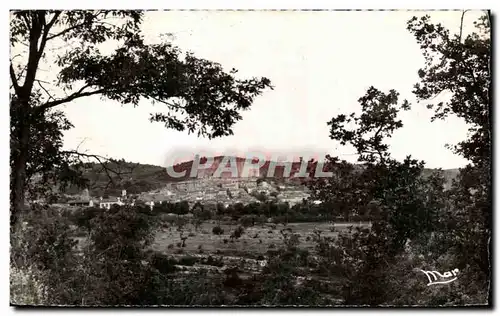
137, 178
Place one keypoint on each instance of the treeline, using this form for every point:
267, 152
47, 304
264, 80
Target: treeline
260, 212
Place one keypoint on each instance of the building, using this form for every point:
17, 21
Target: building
82, 200
106, 203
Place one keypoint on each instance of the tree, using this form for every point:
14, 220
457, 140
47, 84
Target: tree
404, 205
378, 121
408, 206
340, 192
197, 95
460, 65
353, 186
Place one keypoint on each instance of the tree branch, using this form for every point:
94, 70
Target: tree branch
14, 79
102, 161
461, 26
43, 88
33, 58
46, 31
174, 105
70, 98
70, 28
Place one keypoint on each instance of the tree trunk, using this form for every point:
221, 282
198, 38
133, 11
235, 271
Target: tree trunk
20, 137
20, 153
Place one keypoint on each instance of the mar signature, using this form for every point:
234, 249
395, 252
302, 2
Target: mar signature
434, 276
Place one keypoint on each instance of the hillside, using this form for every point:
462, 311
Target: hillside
137, 178
133, 177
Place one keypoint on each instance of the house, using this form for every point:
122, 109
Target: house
106, 203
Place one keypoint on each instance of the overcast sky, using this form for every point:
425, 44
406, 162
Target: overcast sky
320, 63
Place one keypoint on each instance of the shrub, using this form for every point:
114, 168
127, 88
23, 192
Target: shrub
163, 263
188, 261
217, 230
27, 287
214, 262
247, 220
238, 232
45, 241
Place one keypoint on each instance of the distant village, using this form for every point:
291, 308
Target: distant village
206, 190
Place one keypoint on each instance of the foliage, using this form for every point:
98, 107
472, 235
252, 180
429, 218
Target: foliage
43, 242
178, 208
44, 249
217, 230
410, 207
195, 94
82, 217
237, 232
460, 64
26, 288
379, 117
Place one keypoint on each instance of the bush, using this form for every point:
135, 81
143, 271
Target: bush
163, 263
45, 242
217, 230
238, 232
247, 220
27, 287
188, 261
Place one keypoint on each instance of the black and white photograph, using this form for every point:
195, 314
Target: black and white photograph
250, 158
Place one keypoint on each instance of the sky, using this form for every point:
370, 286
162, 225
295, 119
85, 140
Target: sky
320, 64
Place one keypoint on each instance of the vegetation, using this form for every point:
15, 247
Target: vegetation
196, 95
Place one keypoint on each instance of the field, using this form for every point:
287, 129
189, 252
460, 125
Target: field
255, 241
247, 252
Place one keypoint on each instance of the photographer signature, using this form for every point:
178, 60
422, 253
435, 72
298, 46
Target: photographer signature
434, 276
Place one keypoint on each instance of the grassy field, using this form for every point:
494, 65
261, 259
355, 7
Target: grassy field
255, 240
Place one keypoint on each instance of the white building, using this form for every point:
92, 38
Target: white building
106, 203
